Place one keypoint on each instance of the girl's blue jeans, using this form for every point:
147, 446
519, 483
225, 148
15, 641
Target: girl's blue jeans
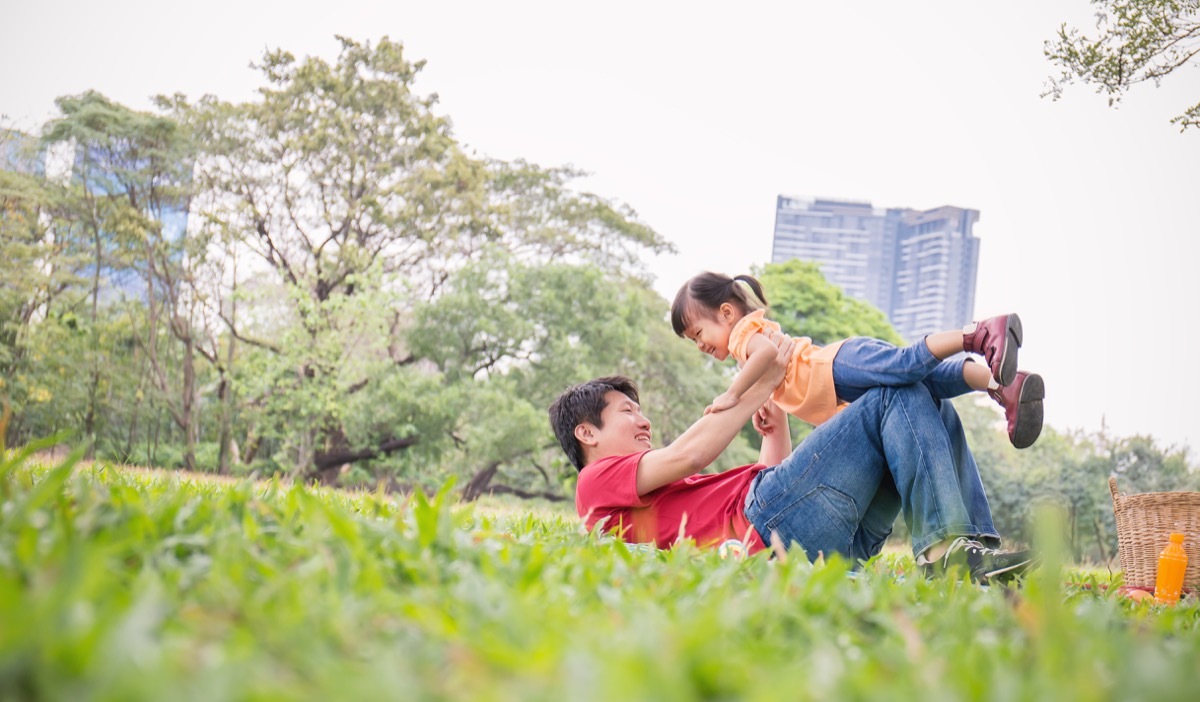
894, 450
863, 363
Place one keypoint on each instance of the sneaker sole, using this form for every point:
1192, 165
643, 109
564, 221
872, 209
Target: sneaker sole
1022, 566
1008, 363
1029, 413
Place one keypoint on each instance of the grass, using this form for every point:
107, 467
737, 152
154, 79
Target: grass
126, 585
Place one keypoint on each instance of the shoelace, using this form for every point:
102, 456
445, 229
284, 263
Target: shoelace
982, 549
957, 544
962, 543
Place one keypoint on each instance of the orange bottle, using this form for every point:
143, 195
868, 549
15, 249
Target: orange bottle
1172, 562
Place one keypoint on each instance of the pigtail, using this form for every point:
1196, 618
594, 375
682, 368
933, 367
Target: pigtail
755, 298
708, 291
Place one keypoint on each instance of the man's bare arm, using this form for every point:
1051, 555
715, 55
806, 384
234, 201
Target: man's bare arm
772, 423
700, 445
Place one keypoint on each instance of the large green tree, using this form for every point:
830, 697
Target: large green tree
131, 177
507, 336
356, 199
806, 304
1137, 41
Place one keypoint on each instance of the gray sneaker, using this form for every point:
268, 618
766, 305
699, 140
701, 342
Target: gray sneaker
984, 564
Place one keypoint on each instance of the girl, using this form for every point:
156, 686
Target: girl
725, 317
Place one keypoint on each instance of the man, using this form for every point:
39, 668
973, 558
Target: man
894, 449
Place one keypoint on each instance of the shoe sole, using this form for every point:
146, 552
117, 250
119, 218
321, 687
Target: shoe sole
1022, 566
1008, 363
1029, 412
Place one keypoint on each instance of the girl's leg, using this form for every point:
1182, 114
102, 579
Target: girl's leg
957, 377
863, 363
945, 344
997, 339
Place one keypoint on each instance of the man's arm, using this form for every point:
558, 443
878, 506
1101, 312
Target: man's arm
772, 423
700, 445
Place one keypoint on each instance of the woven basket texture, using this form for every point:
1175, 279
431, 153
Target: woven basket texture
1144, 523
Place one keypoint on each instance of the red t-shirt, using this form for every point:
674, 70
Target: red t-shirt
705, 508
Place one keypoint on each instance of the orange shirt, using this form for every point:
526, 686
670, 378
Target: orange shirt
807, 389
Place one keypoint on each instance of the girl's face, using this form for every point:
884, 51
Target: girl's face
710, 329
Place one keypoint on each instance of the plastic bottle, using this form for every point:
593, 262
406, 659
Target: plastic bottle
1172, 562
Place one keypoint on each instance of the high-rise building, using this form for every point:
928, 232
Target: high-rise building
917, 266
19, 153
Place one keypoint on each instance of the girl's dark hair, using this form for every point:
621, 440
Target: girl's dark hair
584, 403
711, 290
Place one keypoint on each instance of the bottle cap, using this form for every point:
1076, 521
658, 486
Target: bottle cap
1176, 537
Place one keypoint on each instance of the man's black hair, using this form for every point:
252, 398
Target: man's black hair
584, 403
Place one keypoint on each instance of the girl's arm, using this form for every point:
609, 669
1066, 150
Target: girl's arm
760, 354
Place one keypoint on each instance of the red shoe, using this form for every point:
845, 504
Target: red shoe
1022, 403
997, 340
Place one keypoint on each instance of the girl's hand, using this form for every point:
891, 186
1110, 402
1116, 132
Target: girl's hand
722, 402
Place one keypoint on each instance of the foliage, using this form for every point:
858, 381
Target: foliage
805, 304
360, 300
507, 337
125, 585
1070, 471
355, 196
1139, 41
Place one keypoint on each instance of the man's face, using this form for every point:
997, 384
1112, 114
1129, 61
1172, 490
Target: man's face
625, 429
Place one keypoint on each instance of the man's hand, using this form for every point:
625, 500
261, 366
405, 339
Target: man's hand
723, 401
772, 423
763, 423
784, 345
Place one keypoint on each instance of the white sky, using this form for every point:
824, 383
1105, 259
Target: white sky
698, 114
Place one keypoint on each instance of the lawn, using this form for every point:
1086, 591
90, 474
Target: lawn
128, 585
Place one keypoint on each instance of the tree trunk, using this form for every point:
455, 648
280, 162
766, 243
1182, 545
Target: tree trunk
187, 411
227, 446
1101, 542
89, 421
252, 442
328, 463
478, 484
225, 430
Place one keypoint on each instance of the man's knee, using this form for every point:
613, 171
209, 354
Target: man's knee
914, 392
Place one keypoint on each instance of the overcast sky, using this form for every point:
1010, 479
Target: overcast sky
699, 114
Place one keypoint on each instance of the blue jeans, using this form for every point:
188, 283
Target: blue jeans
863, 363
894, 450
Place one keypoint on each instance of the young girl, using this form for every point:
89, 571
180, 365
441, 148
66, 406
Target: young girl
725, 317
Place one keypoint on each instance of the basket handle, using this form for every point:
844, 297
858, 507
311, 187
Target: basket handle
1112, 487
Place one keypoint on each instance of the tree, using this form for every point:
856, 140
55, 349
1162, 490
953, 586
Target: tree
806, 304
1139, 41
355, 196
32, 276
132, 172
507, 336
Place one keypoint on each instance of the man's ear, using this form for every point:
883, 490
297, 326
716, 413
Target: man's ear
585, 433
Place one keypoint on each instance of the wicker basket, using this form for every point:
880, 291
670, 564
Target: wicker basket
1143, 524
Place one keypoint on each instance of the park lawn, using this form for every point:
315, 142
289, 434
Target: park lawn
128, 585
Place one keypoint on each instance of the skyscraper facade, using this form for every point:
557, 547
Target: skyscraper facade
917, 266
19, 153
